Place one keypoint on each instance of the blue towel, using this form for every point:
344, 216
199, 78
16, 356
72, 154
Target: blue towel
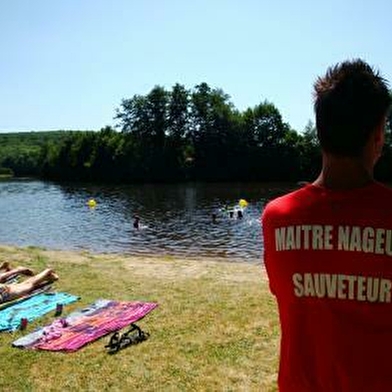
32, 308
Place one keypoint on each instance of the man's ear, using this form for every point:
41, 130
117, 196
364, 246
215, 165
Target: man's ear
379, 138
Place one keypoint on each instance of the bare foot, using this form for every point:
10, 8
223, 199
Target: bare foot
52, 277
5, 266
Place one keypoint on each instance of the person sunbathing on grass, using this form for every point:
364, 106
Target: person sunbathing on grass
11, 291
7, 272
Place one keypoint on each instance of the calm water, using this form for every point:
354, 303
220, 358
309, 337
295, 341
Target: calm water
175, 219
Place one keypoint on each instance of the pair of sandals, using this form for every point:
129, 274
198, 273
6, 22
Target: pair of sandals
119, 341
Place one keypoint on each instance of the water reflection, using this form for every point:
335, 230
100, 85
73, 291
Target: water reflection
174, 219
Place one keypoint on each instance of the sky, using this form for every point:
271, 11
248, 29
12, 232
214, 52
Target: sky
68, 64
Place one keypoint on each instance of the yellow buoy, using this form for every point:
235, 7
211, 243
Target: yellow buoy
243, 203
91, 203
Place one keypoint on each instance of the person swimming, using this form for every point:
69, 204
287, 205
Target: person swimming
214, 218
136, 222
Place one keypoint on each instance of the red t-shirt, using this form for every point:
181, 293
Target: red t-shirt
328, 256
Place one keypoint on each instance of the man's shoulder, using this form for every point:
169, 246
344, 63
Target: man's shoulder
311, 199
288, 202
383, 190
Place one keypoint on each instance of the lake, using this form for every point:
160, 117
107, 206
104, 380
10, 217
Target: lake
175, 219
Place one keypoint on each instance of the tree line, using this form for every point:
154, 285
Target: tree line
21, 152
186, 134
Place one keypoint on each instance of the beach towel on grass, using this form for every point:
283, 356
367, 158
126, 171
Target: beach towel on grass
86, 325
32, 308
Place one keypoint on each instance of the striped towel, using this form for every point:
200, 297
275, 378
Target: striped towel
86, 325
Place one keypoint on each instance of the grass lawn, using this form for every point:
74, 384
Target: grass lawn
216, 327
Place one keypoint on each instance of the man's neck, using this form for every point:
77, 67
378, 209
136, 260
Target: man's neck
344, 173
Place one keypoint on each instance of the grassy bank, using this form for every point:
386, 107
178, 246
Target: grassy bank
216, 327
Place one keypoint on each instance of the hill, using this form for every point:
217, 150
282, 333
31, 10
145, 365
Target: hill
20, 152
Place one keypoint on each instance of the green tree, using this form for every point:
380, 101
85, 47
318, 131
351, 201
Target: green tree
270, 144
211, 131
177, 131
310, 152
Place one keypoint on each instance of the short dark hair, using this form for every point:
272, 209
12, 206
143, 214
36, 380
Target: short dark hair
351, 100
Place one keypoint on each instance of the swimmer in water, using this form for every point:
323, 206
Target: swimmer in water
214, 218
136, 222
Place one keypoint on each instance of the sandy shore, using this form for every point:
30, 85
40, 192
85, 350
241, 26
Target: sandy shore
154, 266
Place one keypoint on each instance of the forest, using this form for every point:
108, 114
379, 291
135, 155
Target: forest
175, 135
